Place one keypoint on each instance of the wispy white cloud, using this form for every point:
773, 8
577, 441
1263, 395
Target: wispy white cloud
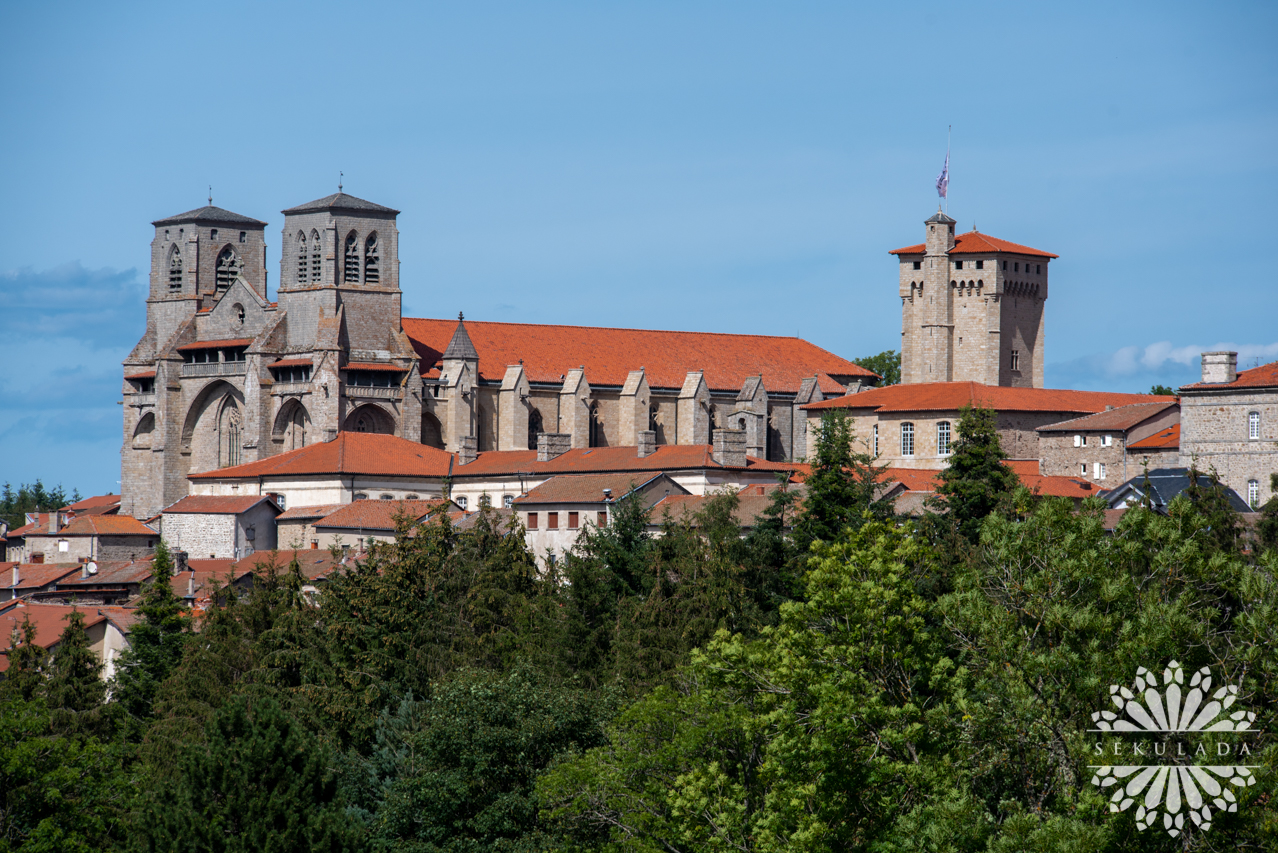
1136, 368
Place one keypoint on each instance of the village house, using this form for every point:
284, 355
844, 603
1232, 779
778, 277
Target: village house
1110, 445
108, 629
1229, 425
226, 528
354, 525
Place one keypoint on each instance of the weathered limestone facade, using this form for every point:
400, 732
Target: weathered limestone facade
971, 308
1229, 424
1088, 449
223, 376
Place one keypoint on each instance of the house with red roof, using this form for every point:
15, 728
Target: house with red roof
1112, 445
108, 629
64, 537
1229, 424
356, 525
220, 527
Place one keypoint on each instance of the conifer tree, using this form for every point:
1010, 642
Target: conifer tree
1211, 500
843, 486
155, 643
1267, 527
976, 482
75, 691
25, 675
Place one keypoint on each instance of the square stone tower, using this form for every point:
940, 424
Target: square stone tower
971, 308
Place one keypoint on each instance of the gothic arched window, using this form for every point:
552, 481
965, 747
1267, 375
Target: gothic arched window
230, 436
535, 428
175, 269
597, 438
228, 269
302, 259
350, 262
317, 260
372, 272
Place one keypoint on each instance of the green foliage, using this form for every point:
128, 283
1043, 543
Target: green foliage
1210, 498
845, 485
1267, 526
1162, 391
75, 691
257, 782
25, 676
31, 497
976, 482
886, 364
156, 643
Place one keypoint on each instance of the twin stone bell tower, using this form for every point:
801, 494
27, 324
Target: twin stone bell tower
329, 355
971, 308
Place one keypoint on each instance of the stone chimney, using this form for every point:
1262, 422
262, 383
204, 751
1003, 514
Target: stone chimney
468, 451
1220, 367
179, 562
54, 521
190, 585
729, 447
646, 439
552, 444
17, 577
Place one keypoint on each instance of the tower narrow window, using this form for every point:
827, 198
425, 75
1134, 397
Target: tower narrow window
876, 441
907, 439
317, 259
1253, 425
372, 269
350, 261
1253, 494
1016, 360
175, 270
228, 269
302, 259
943, 438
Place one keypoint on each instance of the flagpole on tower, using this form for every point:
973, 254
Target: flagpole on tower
949, 129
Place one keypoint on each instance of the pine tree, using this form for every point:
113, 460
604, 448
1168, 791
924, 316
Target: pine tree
75, 691
155, 643
976, 482
27, 661
844, 485
1211, 500
259, 781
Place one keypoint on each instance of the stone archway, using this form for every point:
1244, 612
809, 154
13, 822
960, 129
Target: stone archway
293, 429
370, 418
214, 430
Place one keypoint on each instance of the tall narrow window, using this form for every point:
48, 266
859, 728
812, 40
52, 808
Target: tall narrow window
1253, 494
303, 259
1253, 425
317, 258
943, 438
907, 439
175, 270
372, 257
535, 428
1016, 359
228, 269
876, 441
350, 262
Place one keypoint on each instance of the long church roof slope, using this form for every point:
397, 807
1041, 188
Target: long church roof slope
952, 396
339, 201
584, 460
348, 453
608, 355
209, 213
976, 243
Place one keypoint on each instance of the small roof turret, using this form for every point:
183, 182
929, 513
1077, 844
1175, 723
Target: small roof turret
340, 201
940, 218
460, 345
209, 213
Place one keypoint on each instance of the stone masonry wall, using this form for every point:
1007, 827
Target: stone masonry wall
1214, 435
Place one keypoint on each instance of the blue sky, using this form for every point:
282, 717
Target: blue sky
718, 166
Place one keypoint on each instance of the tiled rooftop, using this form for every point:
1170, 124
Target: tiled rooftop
372, 515
952, 396
1119, 418
215, 504
976, 243
348, 453
586, 488
667, 457
1264, 376
1161, 440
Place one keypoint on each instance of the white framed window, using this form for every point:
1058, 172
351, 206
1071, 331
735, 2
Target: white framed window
943, 438
1078, 441
1082, 469
460, 501
1107, 441
64, 545
1253, 425
1100, 470
507, 501
876, 440
907, 439
1253, 494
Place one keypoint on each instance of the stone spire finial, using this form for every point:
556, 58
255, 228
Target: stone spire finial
461, 346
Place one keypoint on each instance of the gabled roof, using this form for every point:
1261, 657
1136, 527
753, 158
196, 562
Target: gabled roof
348, 453
1164, 485
952, 396
589, 488
111, 574
1162, 440
49, 621
306, 512
667, 457
976, 243
209, 213
35, 575
217, 504
1264, 376
98, 504
608, 355
105, 525
41, 523
1118, 418
370, 515
339, 201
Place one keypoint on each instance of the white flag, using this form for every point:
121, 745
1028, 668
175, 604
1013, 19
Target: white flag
943, 179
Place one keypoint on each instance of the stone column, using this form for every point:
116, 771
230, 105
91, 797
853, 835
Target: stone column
574, 407
632, 416
512, 410
693, 418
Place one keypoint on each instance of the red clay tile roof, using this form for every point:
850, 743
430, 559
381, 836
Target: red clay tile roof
372, 515
106, 525
112, 573
667, 457
349, 453
608, 355
925, 480
216, 504
588, 488
97, 505
49, 621
229, 342
318, 511
35, 575
976, 243
291, 362
1163, 439
359, 365
1265, 376
41, 523
952, 396
1119, 418
685, 507
915, 479
146, 374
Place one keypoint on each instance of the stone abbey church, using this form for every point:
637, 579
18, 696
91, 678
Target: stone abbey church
222, 375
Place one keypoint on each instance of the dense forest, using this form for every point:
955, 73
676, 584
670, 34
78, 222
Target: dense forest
832, 678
